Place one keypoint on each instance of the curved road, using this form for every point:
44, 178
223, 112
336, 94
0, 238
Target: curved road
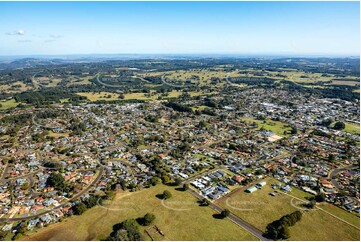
336, 171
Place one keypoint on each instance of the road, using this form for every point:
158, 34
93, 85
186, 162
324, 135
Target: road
234, 218
335, 172
5, 171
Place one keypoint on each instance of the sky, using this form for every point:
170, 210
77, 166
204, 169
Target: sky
62, 28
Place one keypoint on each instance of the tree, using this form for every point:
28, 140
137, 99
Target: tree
110, 195
126, 231
148, 219
25, 186
204, 202
283, 233
56, 180
185, 186
331, 157
177, 181
79, 208
123, 184
279, 229
92, 201
326, 122
120, 235
202, 124
293, 130
3, 234
225, 213
320, 197
339, 125
167, 194
311, 204
155, 181
165, 179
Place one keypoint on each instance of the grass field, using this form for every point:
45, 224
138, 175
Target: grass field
345, 83
138, 95
352, 128
79, 80
14, 87
339, 212
99, 96
50, 82
315, 224
273, 126
180, 218
8, 104
203, 76
57, 135
64, 100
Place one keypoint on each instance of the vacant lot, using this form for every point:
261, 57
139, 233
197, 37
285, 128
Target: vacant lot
180, 218
260, 208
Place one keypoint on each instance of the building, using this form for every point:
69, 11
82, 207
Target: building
251, 189
261, 184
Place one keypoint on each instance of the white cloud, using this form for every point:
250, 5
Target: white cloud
17, 32
55, 36
25, 41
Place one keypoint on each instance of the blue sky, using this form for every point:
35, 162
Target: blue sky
325, 28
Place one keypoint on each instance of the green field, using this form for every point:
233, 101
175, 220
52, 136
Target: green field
180, 218
352, 128
8, 104
137, 95
315, 224
99, 96
346, 83
273, 126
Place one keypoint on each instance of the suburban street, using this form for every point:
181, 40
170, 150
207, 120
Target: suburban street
335, 172
96, 180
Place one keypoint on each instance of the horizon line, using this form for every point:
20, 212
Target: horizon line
187, 54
